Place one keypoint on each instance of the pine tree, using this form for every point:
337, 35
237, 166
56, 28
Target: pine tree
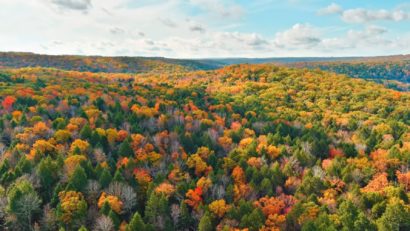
86, 132
118, 176
105, 208
47, 171
205, 224
136, 223
82, 228
125, 149
105, 178
157, 211
254, 221
185, 220
115, 219
79, 179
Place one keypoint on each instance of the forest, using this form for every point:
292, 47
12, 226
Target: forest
391, 71
101, 63
244, 147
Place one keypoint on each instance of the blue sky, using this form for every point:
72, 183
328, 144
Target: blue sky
206, 28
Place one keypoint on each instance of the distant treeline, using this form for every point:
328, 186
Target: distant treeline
392, 71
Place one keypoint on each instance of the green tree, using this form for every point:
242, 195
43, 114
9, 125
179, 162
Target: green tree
125, 149
115, 219
47, 170
118, 176
82, 228
347, 214
363, 223
136, 223
157, 212
395, 218
86, 132
205, 224
105, 178
349, 149
311, 185
253, 221
323, 222
23, 203
79, 179
185, 220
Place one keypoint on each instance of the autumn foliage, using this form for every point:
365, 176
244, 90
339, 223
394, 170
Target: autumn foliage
245, 147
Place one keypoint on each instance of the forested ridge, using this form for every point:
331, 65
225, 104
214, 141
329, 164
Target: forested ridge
391, 71
100, 63
245, 147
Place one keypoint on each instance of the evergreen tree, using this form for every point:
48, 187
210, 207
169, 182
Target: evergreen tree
47, 170
115, 219
105, 178
118, 176
125, 149
254, 221
205, 224
185, 220
157, 211
105, 208
396, 217
79, 179
136, 223
83, 228
86, 132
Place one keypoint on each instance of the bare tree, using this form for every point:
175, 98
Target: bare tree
92, 190
125, 192
104, 223
3, 205
24, 209
49, 219
175, 213
2, 149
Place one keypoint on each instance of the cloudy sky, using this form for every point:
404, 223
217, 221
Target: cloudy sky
206, 28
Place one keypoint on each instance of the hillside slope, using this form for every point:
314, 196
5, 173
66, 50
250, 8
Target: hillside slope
392, 71
99, 63
257, 147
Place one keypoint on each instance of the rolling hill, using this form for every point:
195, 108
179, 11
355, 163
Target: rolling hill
254, 147
392, 71
100, 64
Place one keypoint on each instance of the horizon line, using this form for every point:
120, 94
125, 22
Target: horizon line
206, 58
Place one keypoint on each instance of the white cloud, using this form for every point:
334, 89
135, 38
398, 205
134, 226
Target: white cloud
81, 5
369, 41
368, 32
228, 10
141, 31
168, 22
197, 28
299, 36
331, 9
360, 15
364, 16
117, 30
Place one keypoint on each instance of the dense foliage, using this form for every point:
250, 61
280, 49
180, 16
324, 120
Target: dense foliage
391, 71
246, 147
100, 64
393, 74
